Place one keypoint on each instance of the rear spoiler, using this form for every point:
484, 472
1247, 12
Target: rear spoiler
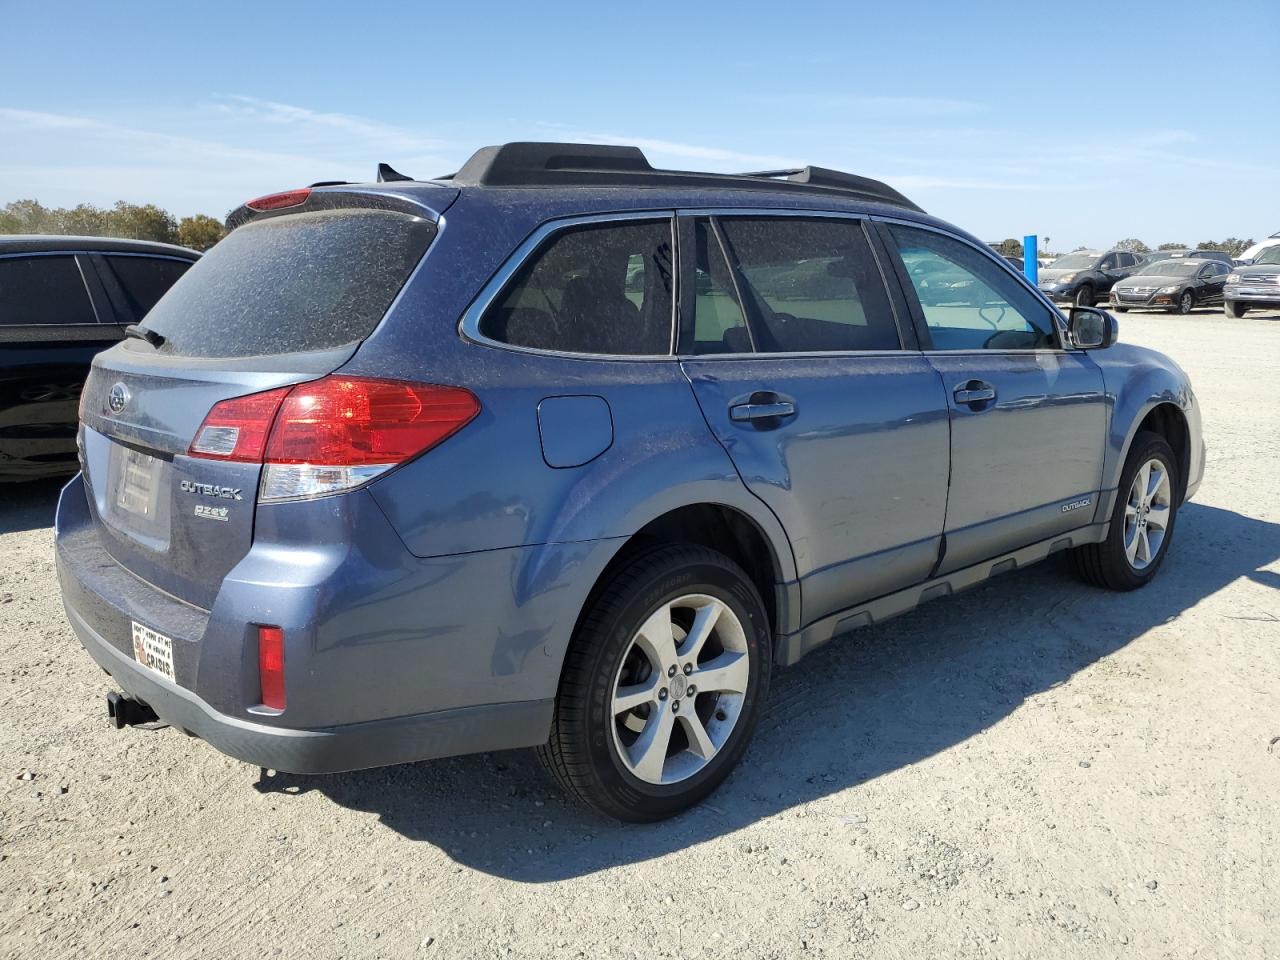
427, 200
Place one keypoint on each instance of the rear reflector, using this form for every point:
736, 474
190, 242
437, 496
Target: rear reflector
271, 666
332, 434
274, 201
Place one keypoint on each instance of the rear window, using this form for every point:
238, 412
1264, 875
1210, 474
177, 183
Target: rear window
43, 290
144, 280
310, 281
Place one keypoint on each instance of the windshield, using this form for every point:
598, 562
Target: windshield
1074, 261
310, 281
1269, 255
1170, 268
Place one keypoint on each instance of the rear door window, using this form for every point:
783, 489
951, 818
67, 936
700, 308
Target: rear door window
598, 289
310, 281
144, 280
43, 290
812, 285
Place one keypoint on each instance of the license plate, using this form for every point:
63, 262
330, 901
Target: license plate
153, 650
137, 491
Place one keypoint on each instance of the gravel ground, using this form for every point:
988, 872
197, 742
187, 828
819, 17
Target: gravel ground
1033, 769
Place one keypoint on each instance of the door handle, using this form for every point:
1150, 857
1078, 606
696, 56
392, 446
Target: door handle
975, 391
762, 411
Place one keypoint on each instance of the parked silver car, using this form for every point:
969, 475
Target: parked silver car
1257, 285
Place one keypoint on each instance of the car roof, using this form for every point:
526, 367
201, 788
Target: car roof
536, 182
589, 164
49, 243
534, 205
587, 177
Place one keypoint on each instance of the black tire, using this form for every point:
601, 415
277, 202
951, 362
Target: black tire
582, 754
1186, 303
1119, 309
1233, 308
1105, 564
1085, 297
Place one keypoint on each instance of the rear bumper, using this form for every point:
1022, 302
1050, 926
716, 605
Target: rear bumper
389, 658
375, 743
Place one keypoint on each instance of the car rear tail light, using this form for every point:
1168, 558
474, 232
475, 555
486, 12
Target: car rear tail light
274, 201
237, 429
332, 434
271, 666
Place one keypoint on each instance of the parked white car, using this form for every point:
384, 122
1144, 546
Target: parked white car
1251, 254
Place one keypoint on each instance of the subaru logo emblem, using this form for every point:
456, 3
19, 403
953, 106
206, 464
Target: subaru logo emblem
118, 397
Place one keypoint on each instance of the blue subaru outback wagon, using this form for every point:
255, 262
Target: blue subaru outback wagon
568, 452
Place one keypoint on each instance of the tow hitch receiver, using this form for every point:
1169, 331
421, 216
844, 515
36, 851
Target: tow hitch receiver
127, 712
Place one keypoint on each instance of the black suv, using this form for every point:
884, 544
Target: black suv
1086, 275
62, 300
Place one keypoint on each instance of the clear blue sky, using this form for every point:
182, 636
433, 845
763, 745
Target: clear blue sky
1154, 120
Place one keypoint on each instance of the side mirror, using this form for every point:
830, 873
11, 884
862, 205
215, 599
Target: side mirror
1091, 329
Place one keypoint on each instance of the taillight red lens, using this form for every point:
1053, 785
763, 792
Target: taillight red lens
271, 666
274, 201
331, 434
352, 421
237, 429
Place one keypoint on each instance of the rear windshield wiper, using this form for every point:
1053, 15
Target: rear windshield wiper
144, 333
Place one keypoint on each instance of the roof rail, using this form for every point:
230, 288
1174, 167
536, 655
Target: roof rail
529, 164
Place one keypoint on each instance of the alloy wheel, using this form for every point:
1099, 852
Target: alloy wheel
1147, 514
679, 690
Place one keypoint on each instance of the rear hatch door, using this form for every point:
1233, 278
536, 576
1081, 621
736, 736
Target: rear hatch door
279, 301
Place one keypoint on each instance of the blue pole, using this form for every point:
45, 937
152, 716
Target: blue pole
1030, 265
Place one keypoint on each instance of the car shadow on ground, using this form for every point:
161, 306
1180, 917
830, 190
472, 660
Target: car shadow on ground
30, 505
879, 699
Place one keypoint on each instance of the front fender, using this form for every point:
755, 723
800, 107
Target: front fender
1137, 380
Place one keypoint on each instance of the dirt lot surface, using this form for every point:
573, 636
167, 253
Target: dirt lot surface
1033, 769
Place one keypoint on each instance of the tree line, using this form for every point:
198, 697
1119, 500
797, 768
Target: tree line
1233, 246
200, 232
130, 220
